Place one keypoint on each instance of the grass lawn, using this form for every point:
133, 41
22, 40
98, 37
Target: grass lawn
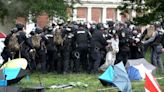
92, 81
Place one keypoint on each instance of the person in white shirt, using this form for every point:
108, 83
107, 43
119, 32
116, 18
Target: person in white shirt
112, 50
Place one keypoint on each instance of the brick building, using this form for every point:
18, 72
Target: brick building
99, 11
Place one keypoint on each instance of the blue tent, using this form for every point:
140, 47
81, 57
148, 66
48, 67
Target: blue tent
133, 73
121, 79
107, 77
11, 75
8, 74
117, 76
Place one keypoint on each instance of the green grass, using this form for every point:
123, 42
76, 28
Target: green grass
90, 79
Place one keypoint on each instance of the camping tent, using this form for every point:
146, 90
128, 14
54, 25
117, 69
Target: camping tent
107, 76
16, 63
147, 65
13, 71
12, 75
133, 73
119, 77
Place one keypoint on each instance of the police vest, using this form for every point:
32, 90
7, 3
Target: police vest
81, 36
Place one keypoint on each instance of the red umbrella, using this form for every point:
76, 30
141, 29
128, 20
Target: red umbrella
2, 35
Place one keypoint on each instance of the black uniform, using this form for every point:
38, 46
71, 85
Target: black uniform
67, 50
81, 38
41, 51
6, 53
23, 42
98, 42
51, 50
124, 42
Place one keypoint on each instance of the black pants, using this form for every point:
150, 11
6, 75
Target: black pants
6, 54
50, 60
41, 54
122, 56
66, 61
95, 60
82, 62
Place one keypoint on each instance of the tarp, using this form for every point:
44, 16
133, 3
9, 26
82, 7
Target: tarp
119, 76
133, 73
147, 65
16, 63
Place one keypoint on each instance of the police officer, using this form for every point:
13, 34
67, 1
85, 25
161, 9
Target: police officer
156, 41
41, 50
67, 48
98, 42
124, 42
81, 41
59, 45
51, 49
136, 47
6, 53
23, 42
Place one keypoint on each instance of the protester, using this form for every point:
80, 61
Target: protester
157, 47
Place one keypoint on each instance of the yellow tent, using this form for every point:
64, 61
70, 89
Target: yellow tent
16, 63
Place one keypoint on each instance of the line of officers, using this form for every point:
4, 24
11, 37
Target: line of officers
72, 47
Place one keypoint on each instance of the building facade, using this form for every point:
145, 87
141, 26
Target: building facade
99, 11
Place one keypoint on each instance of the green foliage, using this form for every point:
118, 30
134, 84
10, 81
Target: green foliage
3, 11
148, 10
17, 8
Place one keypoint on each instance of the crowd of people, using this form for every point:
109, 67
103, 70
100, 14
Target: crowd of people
82, 47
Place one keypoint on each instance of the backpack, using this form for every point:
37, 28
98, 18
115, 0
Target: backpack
13, 42
36, 40
58, 38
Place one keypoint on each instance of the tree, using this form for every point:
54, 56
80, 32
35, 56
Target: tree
22, 8
147, 10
